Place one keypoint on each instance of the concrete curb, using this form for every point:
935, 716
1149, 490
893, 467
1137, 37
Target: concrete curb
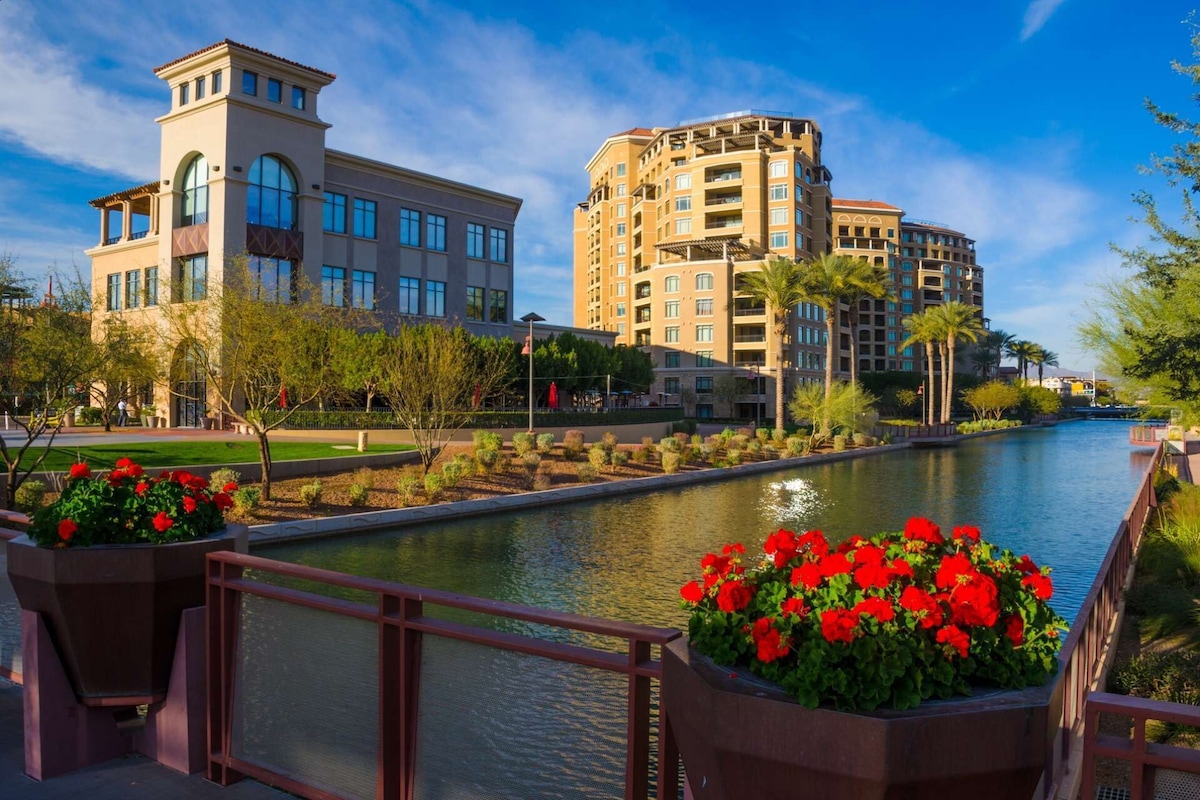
355, 523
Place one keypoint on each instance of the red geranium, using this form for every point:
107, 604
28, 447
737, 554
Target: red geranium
975, 602
877, 607
1039, 584
1014, 629
189, 504
66, 529
782, 546
838, 625
80, 470
920, 529
954, 570
815, 542
162, 522
733, 596
692, 592
834, 564
922, 605
956, 638
968, 532
768, 640
793, 605
808, 574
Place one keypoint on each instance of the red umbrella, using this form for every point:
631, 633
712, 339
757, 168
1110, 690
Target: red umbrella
475, 399
283, 397
553, 395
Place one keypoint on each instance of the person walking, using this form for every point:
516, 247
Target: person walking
122, 413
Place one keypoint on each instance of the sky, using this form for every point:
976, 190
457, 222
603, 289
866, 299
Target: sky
1021, 124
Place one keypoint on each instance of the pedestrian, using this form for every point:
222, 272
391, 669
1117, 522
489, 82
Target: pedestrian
122, 413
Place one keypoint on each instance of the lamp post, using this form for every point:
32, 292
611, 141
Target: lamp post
531, 318
753, 376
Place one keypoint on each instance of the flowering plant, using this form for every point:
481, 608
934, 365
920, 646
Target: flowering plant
889, 620
126, 506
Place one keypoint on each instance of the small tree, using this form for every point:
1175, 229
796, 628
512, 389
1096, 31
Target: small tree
992, 399
122, 359
726, 388
358, 361
844, 404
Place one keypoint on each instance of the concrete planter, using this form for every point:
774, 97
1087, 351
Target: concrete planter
113, 610
745, 739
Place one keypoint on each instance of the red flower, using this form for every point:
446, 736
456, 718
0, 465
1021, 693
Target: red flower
1039, 584
781, 545
976, 602
1014, 629
871, 576
66, 529
850, 544
189, 504
230, 487
968, 532
834, 564
1025, 564
733, 596
141, 487
222, 501
922, 605
955, 637
954, 570
124, 463
814, 541
868, 554
690, 592
162, 522
838, 625
878, 607
80, 470
732, 549
922, 530
808, 574
769, 642
900, 568
793, 605
716, 565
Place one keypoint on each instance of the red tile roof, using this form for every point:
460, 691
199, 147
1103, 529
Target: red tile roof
837, 201
634, 132
248, 48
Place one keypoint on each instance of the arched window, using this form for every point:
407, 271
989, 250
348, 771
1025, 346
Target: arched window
195, 192
271, 195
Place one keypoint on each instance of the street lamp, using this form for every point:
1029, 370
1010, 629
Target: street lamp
753, 376
531, 318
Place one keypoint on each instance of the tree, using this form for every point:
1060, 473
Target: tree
923, 328
865, 282
122, 361
727, 387
992, 399
263, 359
825, 281
1036, 400
432, 378
1023, 351
844, 405
1042, 359
958, 322
781, 285
358, 361
996, 343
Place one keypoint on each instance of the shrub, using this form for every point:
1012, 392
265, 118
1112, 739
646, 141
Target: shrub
609, 441
770, 451
486, 440
597, 456
452, 474
863, 440
684, 426
573, 443
797, 446
544, 478
762, 434
668, 445
545, 443
779, 436
247, 498
733, 456
1173, 677
310, 494
647, 441
433, 486
30, 496
697, 439
683, 438
707, 452
670, 462
358, 494
737, 441
839, 443
754, 446
486, 461
620, 458
523, 443
90, 416
223, 476
531, 461
587, 473
641, 454
365, 477
407, 488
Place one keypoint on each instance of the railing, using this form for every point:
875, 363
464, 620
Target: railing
724, 176
112, 240
1147, 434
1144, 758
10, 626
1083, 654
398, 617
139, 235
723, 201
937, 431
749, 312
16, 520
750, 337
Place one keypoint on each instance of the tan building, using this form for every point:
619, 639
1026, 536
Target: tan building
244, 169
672, 217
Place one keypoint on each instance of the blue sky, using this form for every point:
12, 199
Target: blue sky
1020, 123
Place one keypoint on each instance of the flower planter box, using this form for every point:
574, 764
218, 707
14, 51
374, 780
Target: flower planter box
113, 611
745, 739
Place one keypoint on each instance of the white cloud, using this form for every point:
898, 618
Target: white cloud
1037, 14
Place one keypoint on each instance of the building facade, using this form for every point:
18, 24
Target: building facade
245, 172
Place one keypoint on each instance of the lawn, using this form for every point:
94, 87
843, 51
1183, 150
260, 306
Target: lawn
178, 454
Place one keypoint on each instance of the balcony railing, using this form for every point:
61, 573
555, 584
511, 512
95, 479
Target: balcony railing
721, 177
735, 222
750, 337
112, 240
139, 235
723, 201
757, 311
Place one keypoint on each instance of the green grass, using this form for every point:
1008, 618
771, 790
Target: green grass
177, 454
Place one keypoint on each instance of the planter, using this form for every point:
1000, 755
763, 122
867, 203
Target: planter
113, 610
745, 739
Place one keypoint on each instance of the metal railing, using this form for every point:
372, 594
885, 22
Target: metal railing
1094, 630
399, 617
1144, 758
1147, 434
937, 431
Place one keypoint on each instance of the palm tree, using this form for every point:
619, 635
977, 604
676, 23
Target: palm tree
923, 328
1022, 350
1042, 359
982, 358
826, 281
959, 322
779, 285
997, 342
866, 282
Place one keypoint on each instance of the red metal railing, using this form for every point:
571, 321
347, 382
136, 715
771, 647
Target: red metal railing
398, 614
1143, 757
1149, 435
1083, 654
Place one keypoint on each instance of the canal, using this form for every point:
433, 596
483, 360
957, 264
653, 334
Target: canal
503, 724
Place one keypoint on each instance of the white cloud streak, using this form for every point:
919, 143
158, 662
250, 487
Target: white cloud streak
1037, 14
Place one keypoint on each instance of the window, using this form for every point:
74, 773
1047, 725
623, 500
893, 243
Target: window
620, 190
704, 383
683, 181
683, 225
620, 248
435, 233
272, 279
704, 410
271, 195
779, 191
410, 227
621, 289
620, 269
249, 82
474, 240
704, 282
195, 193
200, 86
671, 283
362, 289
778, 169
671, 361
620, 309
620, 209
499, 245
704, 333
906, 294
334, 213
671, 309
193, 278
621, 170
298, 98
906, 280
274, 90
152, 286
410, 296
333, 286
620, 328
133, 289
218, 81
498, 307
670, 385
672, 333
704, 358
906, 308
683, 203
364, 218
621, 229
435, 298
779, 216
779, 240
704, 308
183, 93
475, 303
114, 292
800, 217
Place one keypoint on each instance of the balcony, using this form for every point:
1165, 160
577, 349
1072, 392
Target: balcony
750, 311
755, 338
723, 199
723, 222
641, 291
722, 177
748, 363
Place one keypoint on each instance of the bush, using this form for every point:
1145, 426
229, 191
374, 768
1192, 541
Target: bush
545, 443
523, 443
980, 425
531, 462
543, 478
486, 440
486, 461
683, 438
30, 496
839, 443
310, 494
670, 462
641, 454
1173, 677
246, 499
647, 441
684, 426
598, 456
762, 434
358, 494
863, 440
407, 488
365, 477
754, 446
620, 458
668, 445
796, 446
224, 476
609, 441
433, 486
707, 452
89, 415
572, 444
733, 456
770, 451
452, 474
779, 436
587, 473
747, 432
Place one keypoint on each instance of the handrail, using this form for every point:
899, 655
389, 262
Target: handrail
398, 612
14, 518
1143, 757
